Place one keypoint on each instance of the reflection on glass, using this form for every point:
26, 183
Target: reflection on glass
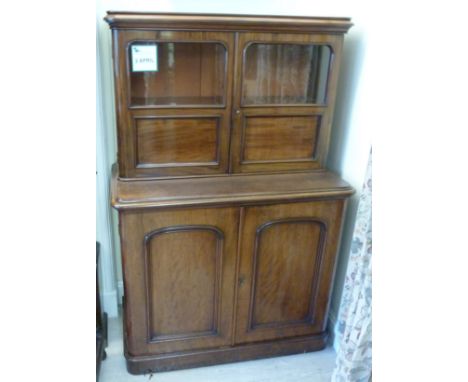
186, 74
285, 74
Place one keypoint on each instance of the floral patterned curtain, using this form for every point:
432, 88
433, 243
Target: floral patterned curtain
354, 358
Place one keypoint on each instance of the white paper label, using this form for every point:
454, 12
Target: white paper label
144, 58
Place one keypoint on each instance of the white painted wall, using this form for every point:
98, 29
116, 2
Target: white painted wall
351, 138
104, 233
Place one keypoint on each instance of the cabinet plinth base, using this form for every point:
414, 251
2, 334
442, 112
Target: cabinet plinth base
206, 357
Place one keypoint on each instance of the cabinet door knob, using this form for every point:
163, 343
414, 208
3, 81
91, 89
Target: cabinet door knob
241, 280
237, 111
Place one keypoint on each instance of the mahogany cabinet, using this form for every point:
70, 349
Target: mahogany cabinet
227, 270
223, 94
229, 224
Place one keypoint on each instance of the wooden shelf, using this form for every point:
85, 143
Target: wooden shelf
168, 102
222, 190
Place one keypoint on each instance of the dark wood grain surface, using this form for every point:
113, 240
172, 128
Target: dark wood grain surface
179, 268
198, 21
277, 139
177, 141
195, 94
287, 256
245, 112
222, 190
203, 72
229, 224
209, 278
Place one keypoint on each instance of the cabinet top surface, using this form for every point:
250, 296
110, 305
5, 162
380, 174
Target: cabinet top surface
227, 22
237, 189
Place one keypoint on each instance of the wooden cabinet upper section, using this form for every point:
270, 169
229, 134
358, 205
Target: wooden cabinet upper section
218, 94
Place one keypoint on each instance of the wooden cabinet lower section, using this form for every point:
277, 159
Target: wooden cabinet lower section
207, 285
287, 254
179, 268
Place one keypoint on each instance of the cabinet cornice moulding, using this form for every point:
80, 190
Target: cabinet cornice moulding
227, 22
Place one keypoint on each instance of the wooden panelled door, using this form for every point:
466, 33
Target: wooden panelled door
179, 294
287, 256
179, 109
281, 113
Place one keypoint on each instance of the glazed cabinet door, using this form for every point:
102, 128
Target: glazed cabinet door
174, 102
287, 257
179, 270
283, 100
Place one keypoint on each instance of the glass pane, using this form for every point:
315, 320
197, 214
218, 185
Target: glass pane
177, 73
285, 74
